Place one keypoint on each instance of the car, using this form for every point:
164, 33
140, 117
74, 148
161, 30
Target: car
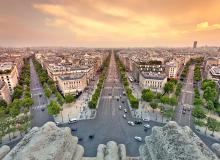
117, 99
91, 136
40, 95
80, 139
73, 129
146, 119
184, 112
145, 129
131, 123
42, 109
147, 126
124, 116
119, 107
125, 110
72, 121
123, 101
57, 123
138, 138
124, 93
138, 122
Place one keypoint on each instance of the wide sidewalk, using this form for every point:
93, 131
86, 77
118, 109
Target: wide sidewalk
79, 110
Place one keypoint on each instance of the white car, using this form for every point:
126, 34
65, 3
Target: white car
146, 119
57, 123
131, 123
124, 116
125, 110
147, 126
73, 120
119, 107
138, 138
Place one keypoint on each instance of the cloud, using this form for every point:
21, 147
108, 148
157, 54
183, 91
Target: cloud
204, 26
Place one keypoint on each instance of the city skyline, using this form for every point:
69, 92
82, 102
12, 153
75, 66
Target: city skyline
110, 23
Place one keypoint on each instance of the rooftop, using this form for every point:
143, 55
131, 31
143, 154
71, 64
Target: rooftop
153, 75
72, 77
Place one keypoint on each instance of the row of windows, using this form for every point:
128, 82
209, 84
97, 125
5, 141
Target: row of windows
75, 82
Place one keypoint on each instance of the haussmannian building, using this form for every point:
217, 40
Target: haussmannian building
153, 81
4, 92
72, 84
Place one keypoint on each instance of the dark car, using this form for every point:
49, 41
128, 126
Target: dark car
74, 129
80, 139
123, 101
91, 136
42, 109
145, 129
40, 95
138, 122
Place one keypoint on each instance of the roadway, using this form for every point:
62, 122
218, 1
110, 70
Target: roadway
109, 123
186, 98
39, 109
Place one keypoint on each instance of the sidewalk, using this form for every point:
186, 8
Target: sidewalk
79, 109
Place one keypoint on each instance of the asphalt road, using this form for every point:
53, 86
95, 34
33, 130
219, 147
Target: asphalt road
186, 98
39, 117
109, 123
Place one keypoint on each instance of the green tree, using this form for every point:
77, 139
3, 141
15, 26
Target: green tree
53, 108
69, 98
164, 99
168, 113
210, 94
169, 87
27, 102
3, 103
213, 125
147, 95
154, 105
199, 113
173, 101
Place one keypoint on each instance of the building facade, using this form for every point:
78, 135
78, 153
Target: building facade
152, 81
4, 92
72, 84
9, 75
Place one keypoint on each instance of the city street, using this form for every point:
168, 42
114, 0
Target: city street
39, 109
186, 98
109, 123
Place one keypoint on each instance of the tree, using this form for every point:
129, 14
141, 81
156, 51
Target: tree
213, 125
154, 105
210, 105
53, 108
47, 91
173, 101
3, 103
27, 102
210, 94
168, 113
70, 98
169, 87
198, 113
164, 99
147, 95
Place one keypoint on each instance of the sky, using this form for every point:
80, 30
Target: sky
109, 23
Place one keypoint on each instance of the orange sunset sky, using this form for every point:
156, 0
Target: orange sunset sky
109, 23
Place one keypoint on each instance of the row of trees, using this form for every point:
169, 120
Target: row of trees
196, 61
94, 100
132, 99
48, 84
15, 116
197, 73
210, 101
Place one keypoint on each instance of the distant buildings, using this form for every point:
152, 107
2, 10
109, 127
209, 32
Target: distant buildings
194, 44
72, 84
4, 92
9, 75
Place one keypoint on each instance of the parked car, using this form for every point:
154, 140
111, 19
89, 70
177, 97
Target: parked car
145, 129
124, 116
57, 123
146, 119
125, 110
138, 138
147, 126
119, 107
123, 101
80, 139
42, 109
74, 129
72, 121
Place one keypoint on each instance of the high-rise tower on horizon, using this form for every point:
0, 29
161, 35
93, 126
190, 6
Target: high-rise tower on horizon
194, 44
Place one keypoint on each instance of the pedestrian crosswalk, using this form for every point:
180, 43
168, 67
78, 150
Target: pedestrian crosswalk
38, 107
